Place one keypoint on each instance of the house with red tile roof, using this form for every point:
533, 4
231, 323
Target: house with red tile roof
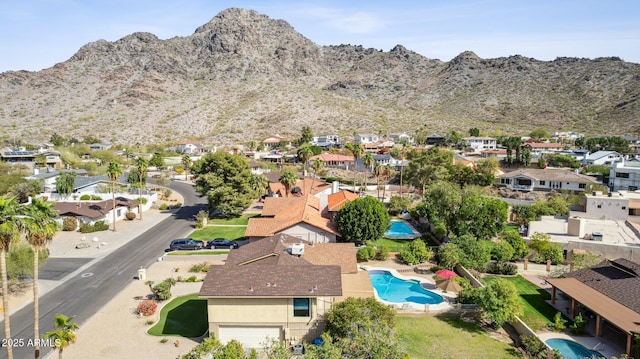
280, 288
301, 217
334, 160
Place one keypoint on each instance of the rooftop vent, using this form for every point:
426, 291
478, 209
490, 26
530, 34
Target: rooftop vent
296, 249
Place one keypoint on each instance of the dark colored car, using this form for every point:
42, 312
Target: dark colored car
222, 243
185, 243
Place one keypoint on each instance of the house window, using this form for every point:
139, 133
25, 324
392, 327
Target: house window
543, 183
599, 206
301, 307
624, 207
582, 185
622, 175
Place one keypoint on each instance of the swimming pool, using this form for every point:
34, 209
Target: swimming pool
571, 349
401, 230
395, 290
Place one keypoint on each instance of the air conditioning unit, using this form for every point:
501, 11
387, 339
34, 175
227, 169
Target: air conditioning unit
297, 249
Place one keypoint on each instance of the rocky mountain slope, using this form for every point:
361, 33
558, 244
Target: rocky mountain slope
243, 76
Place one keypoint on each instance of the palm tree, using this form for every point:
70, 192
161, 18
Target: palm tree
128, 153
258, 183
304, 153
356, 150
40, 227
317, 166
288, 178
186, 162
9, 234
64, 334
378, 170
114, 171
368, 161
141, 167
404, 147
389, 172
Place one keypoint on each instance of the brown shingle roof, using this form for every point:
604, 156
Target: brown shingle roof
285, 212
92, 209
264, 268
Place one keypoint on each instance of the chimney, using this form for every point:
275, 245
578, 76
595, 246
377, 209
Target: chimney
334, 187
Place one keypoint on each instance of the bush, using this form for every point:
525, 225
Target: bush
85, 197
579, 324
98, 226
196, 268
559, 322
366, 253
532, 345
383, 253
416, 253
162, 290
503, 268
69, 224
164, 207
96, 198
147, 307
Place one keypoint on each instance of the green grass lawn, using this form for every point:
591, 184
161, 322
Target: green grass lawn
426, 337
243, 220
184, 316
395, 245
537, 312
211, 232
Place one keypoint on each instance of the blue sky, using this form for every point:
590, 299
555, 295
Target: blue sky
37, 34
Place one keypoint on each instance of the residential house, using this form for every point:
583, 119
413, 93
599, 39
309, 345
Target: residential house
365, 138
571, 136
435, 140
307, 185
190, 148
530, 179
497, 153
609, 292
327, 141
334, 160
274, 141
300, 217
538, 148
100, 146
478, 144
625, 175
401, 137
93, 211
617, 206
22, 157
280, 288
603, 158
336, 201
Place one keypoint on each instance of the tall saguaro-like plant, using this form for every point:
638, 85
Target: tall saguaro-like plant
9, 234
40, 227
114, 171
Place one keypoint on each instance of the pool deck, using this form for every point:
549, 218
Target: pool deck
425, 283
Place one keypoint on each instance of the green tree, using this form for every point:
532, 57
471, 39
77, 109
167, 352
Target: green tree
317, 166
157, 160
64, 333
430, 166
539, 134
500, 302
57, 140
416, 253
114, 172
481, 216
65, 183
449, 255
288, 179
545, 249
128, 153
224, 179
22, 191
306, 136
258, 183
357, 150
362, 219
474, 132
368, 162
525, 158
486, 171
40, 227
475, 255
352, 312
520, 249
502, 251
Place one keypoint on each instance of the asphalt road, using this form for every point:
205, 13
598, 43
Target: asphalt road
87, 293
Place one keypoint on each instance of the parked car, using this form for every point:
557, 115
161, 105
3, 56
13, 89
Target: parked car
185, 243
222, 243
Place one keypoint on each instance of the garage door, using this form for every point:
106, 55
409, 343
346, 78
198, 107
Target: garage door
251, 337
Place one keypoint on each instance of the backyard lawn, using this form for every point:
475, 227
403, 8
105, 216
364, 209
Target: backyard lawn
537, 312
184, 316
395, 245
426, 337
242, 220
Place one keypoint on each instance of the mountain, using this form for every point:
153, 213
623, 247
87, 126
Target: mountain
243, 76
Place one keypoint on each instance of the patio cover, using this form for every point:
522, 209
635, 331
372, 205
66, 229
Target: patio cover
619, 315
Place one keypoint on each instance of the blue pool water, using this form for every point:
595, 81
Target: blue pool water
572, 350
399, 229
396, 290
